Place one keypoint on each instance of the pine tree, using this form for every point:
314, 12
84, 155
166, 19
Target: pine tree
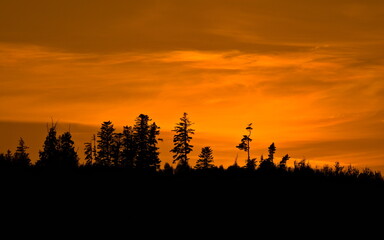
116, 155
49, 155
6, 159
141, 138
271, 152
205, 160
267, 164
245, 146
140, 144
104, 144
154, 161
67, 154
88, 152
128, 152
21, 157
283, 162
181, 141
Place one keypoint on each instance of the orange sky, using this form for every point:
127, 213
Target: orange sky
307, 74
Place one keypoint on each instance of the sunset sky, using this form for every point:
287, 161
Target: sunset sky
307, 74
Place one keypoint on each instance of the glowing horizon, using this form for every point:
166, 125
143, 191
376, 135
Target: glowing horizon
307, 75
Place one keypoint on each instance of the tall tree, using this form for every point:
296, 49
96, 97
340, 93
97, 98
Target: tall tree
205, 160
154, 160
128, 152
271, 152
141, 138
88, 152
181, 140
145, 139
49, 155
245, 146
21, 157
67, 154
104, 144
116, 149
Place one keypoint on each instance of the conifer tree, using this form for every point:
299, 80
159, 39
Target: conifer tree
181, 141
154, 161
144, 145
21, 157
67, 155
271, 152
116, 147
245, 146
141, 138
104, 144
205, 160
6, 159
88, 152
49, 155
268, 164
283, 162
128, 152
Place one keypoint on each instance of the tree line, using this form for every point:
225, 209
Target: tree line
136, 147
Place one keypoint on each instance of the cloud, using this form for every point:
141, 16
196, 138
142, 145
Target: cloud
150, 25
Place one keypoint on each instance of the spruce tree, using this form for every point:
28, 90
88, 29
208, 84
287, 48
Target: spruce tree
128, 152
49, 155
21, 157
205, 160
181, 141
116, 149
67, 154
88, 152
144, 145
104, 144
141, 138
154, 161
6, 160
271, 152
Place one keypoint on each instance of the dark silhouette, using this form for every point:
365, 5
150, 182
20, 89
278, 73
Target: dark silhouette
145, 136
58, 152
181, 142
6, 160
245, 146
129, 160
283, 162
134, 148
268, 163
88, 151
205, 160
21, 157
49, 156
104, 144
67, 155
128, 153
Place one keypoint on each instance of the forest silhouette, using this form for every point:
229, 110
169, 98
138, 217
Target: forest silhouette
135, 152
